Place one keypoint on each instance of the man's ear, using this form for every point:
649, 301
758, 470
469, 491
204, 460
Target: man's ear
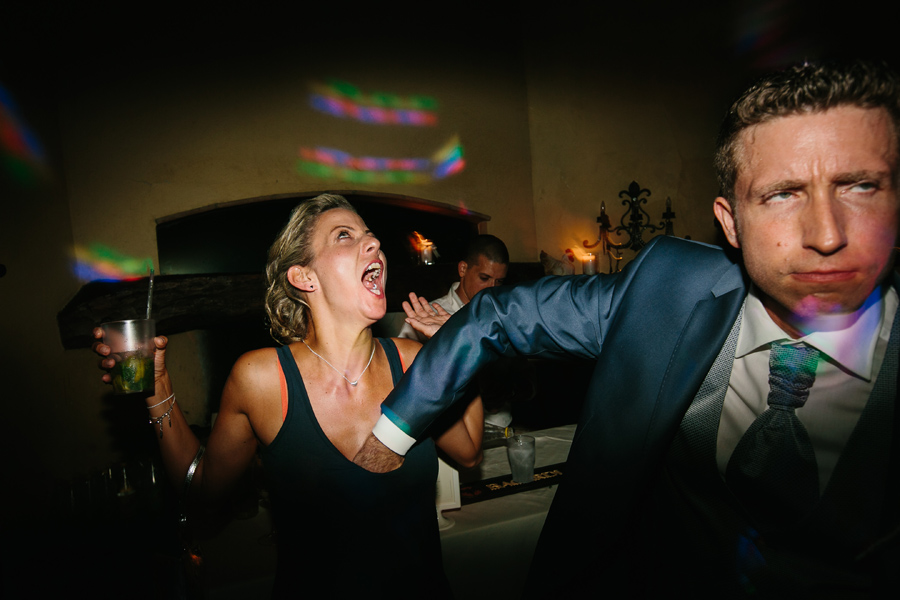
461, 267
302, 278
725, 216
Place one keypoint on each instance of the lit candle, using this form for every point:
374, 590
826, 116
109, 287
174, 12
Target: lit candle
589, 264
427, 256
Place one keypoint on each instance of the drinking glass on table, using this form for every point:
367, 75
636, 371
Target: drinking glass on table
520, 450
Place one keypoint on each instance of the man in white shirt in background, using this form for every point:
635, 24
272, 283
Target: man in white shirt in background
484, 265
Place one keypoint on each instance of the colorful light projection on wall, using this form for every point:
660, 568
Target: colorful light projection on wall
343, 100
330, 163
99, 262
21, 153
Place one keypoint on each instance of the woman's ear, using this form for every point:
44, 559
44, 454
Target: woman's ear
302, 278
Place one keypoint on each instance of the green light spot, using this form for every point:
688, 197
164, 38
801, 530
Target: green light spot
345, 88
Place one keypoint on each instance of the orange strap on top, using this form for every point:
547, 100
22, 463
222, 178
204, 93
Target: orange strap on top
284, 394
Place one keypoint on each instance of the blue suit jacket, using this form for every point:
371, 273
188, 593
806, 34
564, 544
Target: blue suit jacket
654, 330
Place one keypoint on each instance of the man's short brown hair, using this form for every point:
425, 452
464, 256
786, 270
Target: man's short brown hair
489, 246
806, 88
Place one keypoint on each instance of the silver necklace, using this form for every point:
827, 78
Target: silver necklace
353, 383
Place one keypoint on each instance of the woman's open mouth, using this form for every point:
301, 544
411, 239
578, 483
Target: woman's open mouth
372, 278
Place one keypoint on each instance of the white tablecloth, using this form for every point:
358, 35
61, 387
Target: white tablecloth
488, 549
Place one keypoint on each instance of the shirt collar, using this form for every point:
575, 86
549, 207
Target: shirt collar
853, 347
454, 296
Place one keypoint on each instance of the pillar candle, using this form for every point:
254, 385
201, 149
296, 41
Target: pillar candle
589, 264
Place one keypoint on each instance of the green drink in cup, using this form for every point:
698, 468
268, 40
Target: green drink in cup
132, 347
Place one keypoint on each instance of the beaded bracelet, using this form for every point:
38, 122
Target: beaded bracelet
158, 420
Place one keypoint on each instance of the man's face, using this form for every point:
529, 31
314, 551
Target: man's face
474, 278
817, 210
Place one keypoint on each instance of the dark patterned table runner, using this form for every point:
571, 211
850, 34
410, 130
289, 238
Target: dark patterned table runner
497, 487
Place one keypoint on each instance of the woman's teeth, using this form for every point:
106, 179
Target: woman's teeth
370, 277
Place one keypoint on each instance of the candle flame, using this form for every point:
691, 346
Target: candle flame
425, 248
419, 242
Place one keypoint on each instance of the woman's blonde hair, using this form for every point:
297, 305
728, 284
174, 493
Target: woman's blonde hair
287, 312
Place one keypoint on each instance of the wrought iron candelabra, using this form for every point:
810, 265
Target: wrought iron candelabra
638, 223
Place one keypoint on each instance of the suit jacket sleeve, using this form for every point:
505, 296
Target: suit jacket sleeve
555, 316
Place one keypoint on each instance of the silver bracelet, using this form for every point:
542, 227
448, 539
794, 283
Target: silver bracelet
190, 473
158, 420
163, 402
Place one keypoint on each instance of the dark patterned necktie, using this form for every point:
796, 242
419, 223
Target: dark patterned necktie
773, 469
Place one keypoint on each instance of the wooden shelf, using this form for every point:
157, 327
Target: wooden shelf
187, 302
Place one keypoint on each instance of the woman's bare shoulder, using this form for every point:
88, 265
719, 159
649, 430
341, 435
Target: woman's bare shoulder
256, 368
253, 389
408, 349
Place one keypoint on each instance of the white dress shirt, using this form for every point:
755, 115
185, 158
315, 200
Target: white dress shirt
852, 349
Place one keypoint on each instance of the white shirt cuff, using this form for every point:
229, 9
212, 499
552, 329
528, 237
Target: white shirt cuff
392, 436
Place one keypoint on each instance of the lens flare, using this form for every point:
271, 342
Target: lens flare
99, 262
21, 153
325, 162
345, 101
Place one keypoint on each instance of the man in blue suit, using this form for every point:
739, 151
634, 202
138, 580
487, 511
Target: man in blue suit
738, 434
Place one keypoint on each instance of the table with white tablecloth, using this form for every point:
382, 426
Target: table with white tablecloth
488, 548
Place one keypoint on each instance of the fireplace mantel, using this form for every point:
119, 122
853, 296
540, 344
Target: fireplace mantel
187, 302
232, 238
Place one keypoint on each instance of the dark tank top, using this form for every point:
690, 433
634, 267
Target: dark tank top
342, 531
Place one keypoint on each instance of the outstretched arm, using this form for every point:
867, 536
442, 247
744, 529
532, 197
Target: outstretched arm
461, 442
552, 317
